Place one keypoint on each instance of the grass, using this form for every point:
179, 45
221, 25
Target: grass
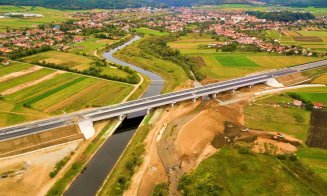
172, 73
11, 114
89, 46
27, 78
219, 65
238, 61
61, 58
50, 15
249, 174
74, 61
33, 100
263, 116
318, 94
316, 159
147, 31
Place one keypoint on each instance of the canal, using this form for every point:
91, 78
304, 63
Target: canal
88, 182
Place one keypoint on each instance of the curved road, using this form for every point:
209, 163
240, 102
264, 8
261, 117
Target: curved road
157, 82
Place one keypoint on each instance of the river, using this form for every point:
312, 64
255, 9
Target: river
88, 182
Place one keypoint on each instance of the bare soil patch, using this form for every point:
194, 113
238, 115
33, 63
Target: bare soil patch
34, 180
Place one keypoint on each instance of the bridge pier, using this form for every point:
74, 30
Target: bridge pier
148, 111
233, 91
121, 117
194, 99
214, 95
251, 86
172, 104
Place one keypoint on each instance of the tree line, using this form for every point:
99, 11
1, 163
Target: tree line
282, 16
157, 46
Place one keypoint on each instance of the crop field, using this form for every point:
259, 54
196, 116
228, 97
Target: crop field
148, 31
21, 80
317, 136
14, 67
220, 65
89, 46
50, 15
61, 58
173, 74
71, 60
316, 40
227, 65
64, 92
238, 61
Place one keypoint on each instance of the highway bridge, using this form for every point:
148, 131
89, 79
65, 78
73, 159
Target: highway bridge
145, 104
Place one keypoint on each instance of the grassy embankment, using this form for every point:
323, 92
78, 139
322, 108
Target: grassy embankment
120, 177
50, 15
220, 65
172, 73
247, 174
81, 160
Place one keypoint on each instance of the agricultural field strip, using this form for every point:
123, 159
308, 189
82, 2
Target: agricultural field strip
32, 83
27, 78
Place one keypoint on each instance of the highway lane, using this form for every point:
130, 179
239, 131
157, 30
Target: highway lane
149, 102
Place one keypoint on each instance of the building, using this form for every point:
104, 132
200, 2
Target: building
5, 62
297, 103
318, 105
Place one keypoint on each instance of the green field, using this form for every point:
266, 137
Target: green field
66, 92
27, 78
14, 67
172, 73
318, 94
89, 46
229, 172
220, 65
263, 115
316, 159
316, 40
147, 31
50, 16
75, 61
237, 61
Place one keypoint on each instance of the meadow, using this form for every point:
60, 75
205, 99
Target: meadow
50, 16
89, 46
224, 65
66, 92
263, 115
237, 174
14, 67
74, 61
147, 31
